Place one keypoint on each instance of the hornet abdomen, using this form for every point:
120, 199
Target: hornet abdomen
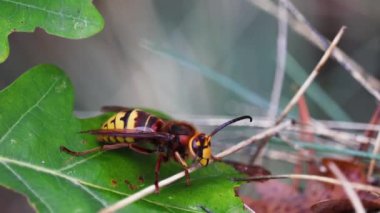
133, 119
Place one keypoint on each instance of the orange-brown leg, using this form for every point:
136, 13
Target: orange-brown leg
100, 148
184, 165
157, 172
141, 150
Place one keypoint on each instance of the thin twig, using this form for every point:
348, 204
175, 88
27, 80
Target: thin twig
266, 133
357, 186
312, 75
150, 189
373, 161
343, 137
281, 60
258, 154
326, 148
265, 122
371, 84
352, 195
286, 156
144, 192
314, 127
304, 153
344, 125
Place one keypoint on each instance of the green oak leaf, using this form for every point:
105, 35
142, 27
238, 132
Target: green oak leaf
36, 117
65, 18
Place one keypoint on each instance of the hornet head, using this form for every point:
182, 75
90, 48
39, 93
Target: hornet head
200, 143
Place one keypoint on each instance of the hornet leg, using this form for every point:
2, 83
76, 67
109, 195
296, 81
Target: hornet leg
157, 171
100, 148
141, 150
184, 165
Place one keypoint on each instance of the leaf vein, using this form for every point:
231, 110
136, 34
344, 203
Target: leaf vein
28, 111
19, 177
77, 181
101, 201
70, 166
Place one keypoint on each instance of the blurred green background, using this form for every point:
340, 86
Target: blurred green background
206, 57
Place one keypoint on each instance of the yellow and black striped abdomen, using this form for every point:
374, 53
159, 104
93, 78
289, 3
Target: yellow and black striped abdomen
134, 119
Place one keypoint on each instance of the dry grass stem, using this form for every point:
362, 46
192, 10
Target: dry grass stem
150, 189
144, 192
264, 134
351, 194
281, 60
312, 76
357, 186
264, 122
287, 157
343, 125
346, 138
300, 91
340, 136
304, 154
371, 84
317, 127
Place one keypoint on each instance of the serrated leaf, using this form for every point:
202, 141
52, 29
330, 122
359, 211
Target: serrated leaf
68, 19
36, 118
